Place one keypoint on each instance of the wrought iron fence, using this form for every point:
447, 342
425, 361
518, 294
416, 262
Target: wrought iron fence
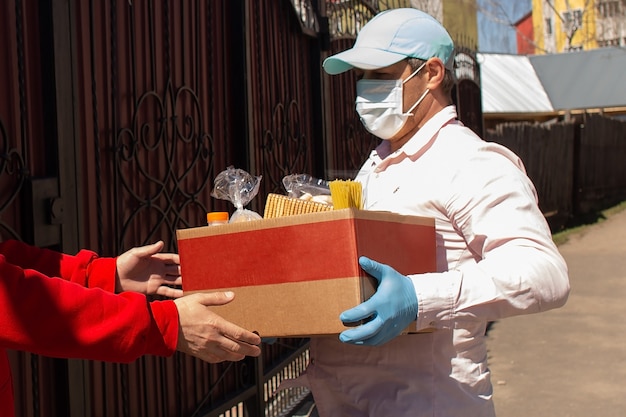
163, 95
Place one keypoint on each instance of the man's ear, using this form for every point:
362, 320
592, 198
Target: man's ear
436, 72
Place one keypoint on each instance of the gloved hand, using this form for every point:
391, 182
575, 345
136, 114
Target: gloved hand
389, 311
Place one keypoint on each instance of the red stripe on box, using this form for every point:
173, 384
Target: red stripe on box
303, 252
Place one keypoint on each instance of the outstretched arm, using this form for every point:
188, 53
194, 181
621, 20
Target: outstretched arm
209, 337
53, 317
145, 270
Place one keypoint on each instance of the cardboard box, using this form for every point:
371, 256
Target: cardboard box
292, 276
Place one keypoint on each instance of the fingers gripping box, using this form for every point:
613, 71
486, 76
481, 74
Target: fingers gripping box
292, 276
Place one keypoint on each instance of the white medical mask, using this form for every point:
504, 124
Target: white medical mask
379, 103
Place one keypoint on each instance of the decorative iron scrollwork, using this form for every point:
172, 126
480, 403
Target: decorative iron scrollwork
13, 173
307, 16
347, 17
466, 66
165, 130
284, 145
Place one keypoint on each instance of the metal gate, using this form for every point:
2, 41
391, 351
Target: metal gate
115, 118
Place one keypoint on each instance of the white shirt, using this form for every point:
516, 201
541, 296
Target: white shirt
495, 259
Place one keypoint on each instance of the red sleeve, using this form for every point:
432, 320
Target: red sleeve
53, 264
101, 274
57, 318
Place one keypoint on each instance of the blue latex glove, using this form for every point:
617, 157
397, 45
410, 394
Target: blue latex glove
389, 311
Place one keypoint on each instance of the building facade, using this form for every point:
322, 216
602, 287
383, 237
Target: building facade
525, 35
458, 16
574, 25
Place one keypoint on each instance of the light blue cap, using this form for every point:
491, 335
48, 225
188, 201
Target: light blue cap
390, 37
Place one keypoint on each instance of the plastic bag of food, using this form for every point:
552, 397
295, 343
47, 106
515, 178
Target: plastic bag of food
306, 187
238, 187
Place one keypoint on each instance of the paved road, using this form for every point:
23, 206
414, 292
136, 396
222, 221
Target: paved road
570, 362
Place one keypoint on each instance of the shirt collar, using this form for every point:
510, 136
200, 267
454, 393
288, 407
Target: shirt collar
421, 138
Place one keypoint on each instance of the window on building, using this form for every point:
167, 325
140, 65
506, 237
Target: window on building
609, 42
610, 8
572, 19
549, 25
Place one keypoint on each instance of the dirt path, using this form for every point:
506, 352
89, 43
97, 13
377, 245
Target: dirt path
570, 362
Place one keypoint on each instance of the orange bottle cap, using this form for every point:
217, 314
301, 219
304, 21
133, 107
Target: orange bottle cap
217, 216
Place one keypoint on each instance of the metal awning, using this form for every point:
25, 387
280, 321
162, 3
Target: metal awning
573, 82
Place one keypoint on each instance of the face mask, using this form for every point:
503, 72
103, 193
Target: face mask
379, 103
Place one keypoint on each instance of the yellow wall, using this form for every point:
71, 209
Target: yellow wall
538, 22
459, 18
584, 36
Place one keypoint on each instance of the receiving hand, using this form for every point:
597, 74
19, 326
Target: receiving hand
208, 336
147, 271
388, 312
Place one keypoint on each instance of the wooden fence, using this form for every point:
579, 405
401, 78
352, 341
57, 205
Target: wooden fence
578, 167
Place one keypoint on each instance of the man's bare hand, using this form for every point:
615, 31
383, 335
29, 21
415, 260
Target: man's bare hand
145, 270
207, 336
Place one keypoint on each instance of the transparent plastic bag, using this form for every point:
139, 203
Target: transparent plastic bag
306, 187
238, 187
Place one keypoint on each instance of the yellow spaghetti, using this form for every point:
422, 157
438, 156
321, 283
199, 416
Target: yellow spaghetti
346, 194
